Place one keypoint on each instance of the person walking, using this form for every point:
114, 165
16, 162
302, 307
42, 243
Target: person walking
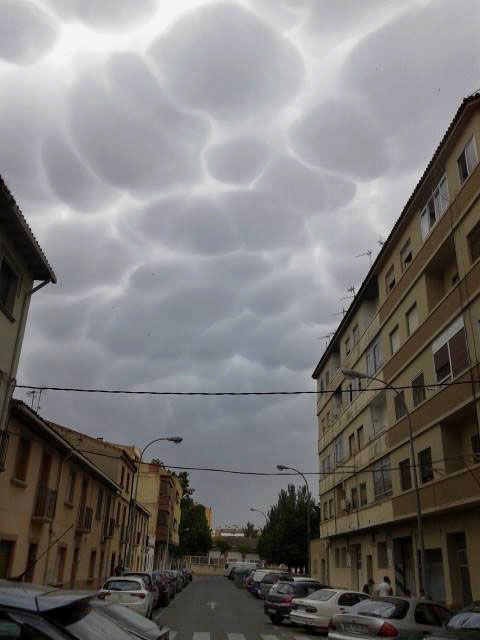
368, 587
385, 587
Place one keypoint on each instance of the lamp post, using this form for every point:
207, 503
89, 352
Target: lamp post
263, 514
282, 467
133, 496
351, 373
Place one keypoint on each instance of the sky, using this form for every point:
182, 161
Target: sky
202, 176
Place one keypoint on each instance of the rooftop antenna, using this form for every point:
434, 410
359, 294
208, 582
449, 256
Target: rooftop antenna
368, 253
341, 313
32, 393
381, 241
351, 290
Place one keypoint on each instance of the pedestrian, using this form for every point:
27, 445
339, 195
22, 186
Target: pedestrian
368, 587
385, 587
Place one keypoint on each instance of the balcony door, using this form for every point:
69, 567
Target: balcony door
45, 469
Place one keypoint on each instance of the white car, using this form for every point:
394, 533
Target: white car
129, 591
316, 610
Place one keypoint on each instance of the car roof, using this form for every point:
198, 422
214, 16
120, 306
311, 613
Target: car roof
38, 598
128, 578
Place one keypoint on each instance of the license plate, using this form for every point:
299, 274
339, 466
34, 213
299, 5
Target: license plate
357, 628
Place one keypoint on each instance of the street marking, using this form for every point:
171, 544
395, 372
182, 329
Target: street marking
201, 635
212, 605
235, 636
266, 636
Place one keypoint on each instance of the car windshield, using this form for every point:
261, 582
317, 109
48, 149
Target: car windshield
465, 620
392, 608
322, 595
123, 585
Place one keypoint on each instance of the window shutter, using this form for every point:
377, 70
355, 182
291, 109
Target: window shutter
442, 362
458, 352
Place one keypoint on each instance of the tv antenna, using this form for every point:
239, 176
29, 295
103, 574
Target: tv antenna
351, 291
368, 253
341, 313
381, 241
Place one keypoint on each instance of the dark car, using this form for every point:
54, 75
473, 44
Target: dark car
464, 625
267, 583
37, 611
278, 601
170, 581
150, 583
178, 577
163, 586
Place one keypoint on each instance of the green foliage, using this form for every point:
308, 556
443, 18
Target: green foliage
194, 532
284, 537
223, 546
249, 530
244, 549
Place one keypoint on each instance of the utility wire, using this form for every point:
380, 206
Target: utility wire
237, 393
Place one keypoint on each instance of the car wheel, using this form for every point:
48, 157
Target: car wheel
276, 619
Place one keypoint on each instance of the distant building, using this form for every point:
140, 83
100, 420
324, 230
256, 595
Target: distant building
229, 531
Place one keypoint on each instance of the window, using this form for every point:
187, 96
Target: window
31, 558
400, 409
330, 508
356, 334
347, 346
71, 486
467, 160
350, 599
343, 558
122, 477
327, 378
322, 385
431, 614
382, 479
91, 564
382, 555
374, 357
405, 475
337, 558
360, 437
21, 462
363, 494
117, 519
127, 488
339, 450
8, 285
354, 498
473, 240
394, 340
450, 354
6, 557
323, 425
60, 564
412, 319
98, 510
329, 420
418, 389
325, 511
351, 444
435, 207
164, 487
390, 280
476, 447
406, 255
425, 463
162, 518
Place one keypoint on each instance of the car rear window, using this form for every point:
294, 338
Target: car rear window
284, 587
393, 608
465, 620
123, 585
145, 577
322, 595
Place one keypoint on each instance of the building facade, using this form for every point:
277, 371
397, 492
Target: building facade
414, 325
56, 508
21, 263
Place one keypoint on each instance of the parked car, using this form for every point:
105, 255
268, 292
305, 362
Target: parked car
178, 577
239, 574
278, 601
130, 621
464, 625
185, 577
230, 566
258, 577
318, 608
28, 611
189, 574
249, 579
267, 583
163, 585
150, 583
130, 591
171, 581
389, 617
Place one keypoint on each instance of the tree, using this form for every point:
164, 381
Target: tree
284, 537
243, 549
224, 547
194, 532
249, 530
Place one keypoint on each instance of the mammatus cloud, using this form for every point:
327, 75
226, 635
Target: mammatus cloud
107, 15
237, 161
26, 32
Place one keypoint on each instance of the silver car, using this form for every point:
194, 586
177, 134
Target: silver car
389, 617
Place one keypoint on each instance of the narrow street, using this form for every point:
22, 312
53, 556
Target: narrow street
214, 609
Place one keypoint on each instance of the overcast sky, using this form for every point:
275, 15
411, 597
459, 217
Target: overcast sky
201, 176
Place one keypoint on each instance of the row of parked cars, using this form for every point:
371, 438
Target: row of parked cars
346, 614
121, 610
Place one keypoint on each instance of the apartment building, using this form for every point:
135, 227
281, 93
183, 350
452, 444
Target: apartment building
22, 261
414, 325
130, 538
56, 508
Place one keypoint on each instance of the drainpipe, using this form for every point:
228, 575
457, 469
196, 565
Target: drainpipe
11, 381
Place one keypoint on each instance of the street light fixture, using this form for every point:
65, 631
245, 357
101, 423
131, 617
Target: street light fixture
263, 514
133, 496
352, 373
282, 467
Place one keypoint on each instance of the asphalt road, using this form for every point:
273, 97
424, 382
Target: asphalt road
214, 609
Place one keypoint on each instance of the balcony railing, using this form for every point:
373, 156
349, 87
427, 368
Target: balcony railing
84, 520
45, 504
4, 437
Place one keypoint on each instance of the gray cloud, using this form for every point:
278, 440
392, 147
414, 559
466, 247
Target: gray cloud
26, 32
107, 15
245, 68
237, 161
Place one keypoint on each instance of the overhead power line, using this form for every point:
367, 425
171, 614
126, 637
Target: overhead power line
239, 393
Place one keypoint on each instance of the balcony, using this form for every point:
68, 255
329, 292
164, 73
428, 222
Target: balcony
45, 505
84, 520
4, 437
162, 533
164, 503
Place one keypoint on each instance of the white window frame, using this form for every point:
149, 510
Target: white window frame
356, 334
443, 339
438, 211
389, 277
413, 306
405, 250
394, 333
464, 151
373, 351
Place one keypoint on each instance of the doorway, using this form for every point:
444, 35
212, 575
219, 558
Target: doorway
459, 569
404, 569
369, 568
73, 574
356, 565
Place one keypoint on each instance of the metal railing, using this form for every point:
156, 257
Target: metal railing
45, 504
84, 520
4, 438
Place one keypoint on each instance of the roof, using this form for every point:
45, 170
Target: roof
473, 99
32, 419
22, 236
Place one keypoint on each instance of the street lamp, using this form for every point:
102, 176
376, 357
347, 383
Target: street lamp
133, 497
352, 373
263, 514
282, 467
